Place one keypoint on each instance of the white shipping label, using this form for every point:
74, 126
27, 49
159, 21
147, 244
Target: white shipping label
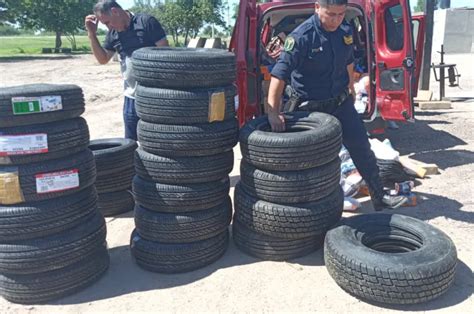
23, 144
57, 181
51, 103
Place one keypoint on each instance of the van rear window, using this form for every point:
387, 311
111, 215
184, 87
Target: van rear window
394, 27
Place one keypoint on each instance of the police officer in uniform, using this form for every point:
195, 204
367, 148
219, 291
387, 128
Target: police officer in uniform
318, 60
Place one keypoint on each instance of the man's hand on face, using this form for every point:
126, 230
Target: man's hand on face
91, 23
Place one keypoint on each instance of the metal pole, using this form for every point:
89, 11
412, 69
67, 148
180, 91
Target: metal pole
425, 70
441, 75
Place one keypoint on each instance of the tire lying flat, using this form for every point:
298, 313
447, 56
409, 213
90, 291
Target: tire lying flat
390, 258
72, 104
310, 140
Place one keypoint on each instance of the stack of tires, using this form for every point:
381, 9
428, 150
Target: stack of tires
115, 170
52, 236
185, 100
289, 193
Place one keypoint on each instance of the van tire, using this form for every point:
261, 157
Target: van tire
53, 251
41, 287
363, 256
272, 248
115, 203
314, 139
179, 68
40, 219
83, 162
183, 169
64, 138
185, 227
169, 106
177, 258
297, 221
188, 140
290, 187
72, 100
180, 198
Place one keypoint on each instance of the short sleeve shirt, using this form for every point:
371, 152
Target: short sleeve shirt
316, 60
144, 31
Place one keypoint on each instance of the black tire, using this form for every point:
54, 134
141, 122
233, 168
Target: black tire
183, 67
271, 248
177, 258
188, 140
290, 187
42, 287
54, 251
183, 228
71, 97
183, 169
114, 163
115, 203
40, 219
390, 258
180, 198
170, 106
82, 162
63, 137
297, 221
311, 140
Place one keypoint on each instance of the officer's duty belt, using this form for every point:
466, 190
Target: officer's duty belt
326, 105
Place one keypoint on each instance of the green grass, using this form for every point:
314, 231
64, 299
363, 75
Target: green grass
31, 45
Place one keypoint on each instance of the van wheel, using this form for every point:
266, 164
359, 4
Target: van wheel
184, 227
271, 248
290, 187
183, 67
390, 258
176, 170
310, 140
290, 222
180, 198
169, 106
177, 258
71, 105
188, 140
63, 138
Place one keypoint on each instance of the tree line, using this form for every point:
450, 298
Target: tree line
180, 18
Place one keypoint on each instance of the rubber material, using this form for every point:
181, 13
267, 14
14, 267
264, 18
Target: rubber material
310, 140
180, 198
180, 170
116, 203
171, 106
297, 221
177, 258
64, 138
271, 248
390, 258
188, 140
72, 101
185, 227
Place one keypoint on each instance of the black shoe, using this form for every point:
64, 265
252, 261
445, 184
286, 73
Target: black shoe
388, 201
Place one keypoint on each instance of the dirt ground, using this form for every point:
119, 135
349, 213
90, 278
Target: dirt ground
237, 282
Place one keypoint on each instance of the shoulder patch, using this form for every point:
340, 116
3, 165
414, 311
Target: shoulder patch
348, 40
289, 43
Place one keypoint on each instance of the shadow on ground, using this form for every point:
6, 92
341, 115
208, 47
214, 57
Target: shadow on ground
125, 277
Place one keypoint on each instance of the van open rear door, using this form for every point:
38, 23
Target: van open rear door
419, 38
244, 45
394, 58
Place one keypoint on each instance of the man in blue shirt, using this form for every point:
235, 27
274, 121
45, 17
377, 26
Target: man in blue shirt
127, 33
318, 58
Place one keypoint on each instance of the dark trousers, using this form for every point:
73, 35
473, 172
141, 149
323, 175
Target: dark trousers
130, 118
354, 137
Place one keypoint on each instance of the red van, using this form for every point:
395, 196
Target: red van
383, 40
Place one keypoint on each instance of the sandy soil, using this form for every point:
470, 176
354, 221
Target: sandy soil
237, 282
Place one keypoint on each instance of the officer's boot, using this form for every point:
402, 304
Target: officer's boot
380, 199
